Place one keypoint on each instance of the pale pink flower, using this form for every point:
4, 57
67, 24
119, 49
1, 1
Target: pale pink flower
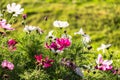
4, 25
7, 65
103, 64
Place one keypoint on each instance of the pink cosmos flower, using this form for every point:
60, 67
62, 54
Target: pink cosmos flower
103, 64
4, 25
59, 44
63, 42
38, 58
46, 62
11, 44
7, 65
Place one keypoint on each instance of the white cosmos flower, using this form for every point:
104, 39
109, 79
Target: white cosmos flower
103, 47
61, 24
15, 9
29, 28
86, 38
67, 36
50, 34
39, 30
80, 32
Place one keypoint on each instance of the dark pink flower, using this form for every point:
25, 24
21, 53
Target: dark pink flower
63, 42
47, 62
11, 44
8, 65
38, 58
59, 44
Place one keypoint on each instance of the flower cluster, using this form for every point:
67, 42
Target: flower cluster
46, 62
7, 65
103, 65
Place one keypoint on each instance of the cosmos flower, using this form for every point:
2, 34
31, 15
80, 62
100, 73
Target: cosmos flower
67, 36
50, 35
59, 45
4, 25
61, 24
86, 38
28, 29
7, 65
11, 44
103, 47
103, 64
46, 62
15, 9
80, 32
38, 58
63, 42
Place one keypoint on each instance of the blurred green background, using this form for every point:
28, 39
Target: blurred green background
98, 18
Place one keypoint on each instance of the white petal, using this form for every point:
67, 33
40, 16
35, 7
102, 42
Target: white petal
107, 62
99, 59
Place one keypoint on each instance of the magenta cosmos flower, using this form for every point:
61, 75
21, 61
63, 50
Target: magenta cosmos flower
7, 65
4, 25
46, 62
103, 64
39, 59
11, 44
59, 44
